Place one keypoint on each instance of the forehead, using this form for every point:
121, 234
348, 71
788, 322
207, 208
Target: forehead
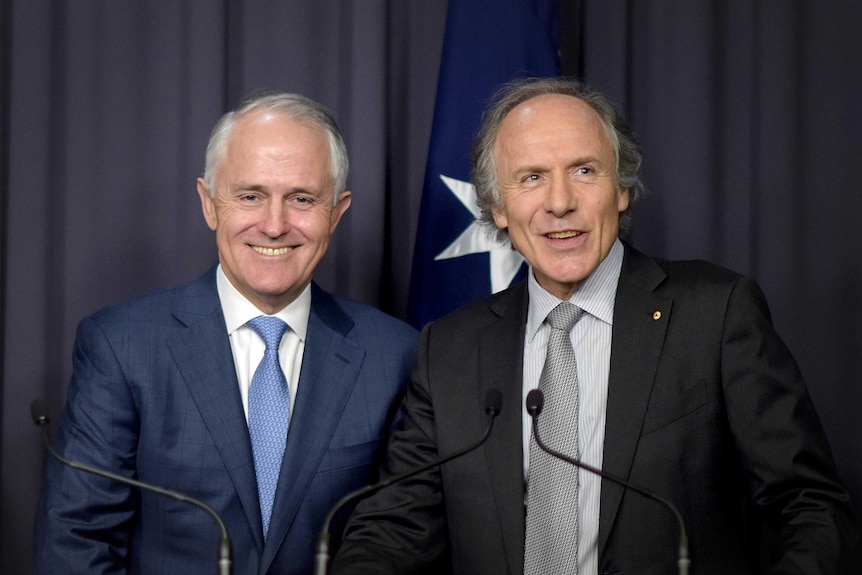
273, 128
556, 118
274, 141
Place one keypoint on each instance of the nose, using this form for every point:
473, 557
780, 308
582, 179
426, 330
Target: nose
275, 219
561, 196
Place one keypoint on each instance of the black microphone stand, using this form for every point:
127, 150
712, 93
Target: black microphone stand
493, 401
535, 402
225, 549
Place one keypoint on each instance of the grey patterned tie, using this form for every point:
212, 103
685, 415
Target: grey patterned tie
551, 546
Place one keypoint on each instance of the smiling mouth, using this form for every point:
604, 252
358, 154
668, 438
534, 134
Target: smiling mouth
271, 251
563, 235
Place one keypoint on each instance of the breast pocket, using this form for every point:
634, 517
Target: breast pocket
667, 407
359, 455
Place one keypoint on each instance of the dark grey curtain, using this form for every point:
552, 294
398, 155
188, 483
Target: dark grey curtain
748, 111
750, 118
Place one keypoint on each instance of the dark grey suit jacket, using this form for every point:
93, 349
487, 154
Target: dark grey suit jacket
706, 407
154, 396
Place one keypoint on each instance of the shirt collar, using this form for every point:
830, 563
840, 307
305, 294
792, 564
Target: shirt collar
238, 310
596, 295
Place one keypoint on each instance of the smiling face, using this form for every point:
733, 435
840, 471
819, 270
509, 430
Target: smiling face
273, 209
561, 203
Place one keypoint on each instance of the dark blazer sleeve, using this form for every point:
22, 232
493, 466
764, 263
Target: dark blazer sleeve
402, 528
83, 522
783, 448
707, 407
467, 515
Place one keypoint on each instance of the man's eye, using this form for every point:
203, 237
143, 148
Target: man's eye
303, 202
585, 170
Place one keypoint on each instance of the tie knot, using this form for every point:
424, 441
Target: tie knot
270, 328
565, 316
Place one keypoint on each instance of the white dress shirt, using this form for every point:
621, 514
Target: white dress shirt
248, 347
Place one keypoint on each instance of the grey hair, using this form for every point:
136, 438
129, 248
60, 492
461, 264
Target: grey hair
292, 105
627, 154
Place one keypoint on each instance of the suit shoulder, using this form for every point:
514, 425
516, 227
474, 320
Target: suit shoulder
698, 280
150, 305
480, 313
365, 316
359, 321
651, 271
699, 270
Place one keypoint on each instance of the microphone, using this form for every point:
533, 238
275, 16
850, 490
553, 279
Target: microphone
535, 403
493, 402
225, 549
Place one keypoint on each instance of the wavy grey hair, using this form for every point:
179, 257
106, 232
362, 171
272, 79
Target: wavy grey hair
626, 149
294, 106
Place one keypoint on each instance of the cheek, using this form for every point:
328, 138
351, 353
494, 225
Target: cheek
233, 221
314, 226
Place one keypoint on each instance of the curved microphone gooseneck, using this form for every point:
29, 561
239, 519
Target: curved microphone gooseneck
535, 402
225, 549
493, 402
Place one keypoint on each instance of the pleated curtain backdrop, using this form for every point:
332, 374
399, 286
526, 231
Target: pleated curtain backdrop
748, 113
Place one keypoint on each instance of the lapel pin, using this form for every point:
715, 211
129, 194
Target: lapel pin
656, 315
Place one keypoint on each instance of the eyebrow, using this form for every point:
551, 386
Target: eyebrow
538, 168
248, 187
244, 187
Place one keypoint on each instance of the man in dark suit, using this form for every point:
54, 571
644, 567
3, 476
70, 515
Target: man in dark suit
171, 388
683, 387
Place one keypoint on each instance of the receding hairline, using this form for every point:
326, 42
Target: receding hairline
295, 106
263, 114
582, 107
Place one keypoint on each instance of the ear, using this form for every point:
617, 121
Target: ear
207, 204
623, 200
500, 218
338, 210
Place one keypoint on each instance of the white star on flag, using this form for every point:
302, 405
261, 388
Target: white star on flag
505, 262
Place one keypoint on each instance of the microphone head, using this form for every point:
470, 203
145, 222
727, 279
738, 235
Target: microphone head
535, 402
38, 412
493, 401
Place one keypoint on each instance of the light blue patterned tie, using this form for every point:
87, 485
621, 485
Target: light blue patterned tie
268, 412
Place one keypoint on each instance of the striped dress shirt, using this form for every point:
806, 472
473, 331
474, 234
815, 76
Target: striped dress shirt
591, 338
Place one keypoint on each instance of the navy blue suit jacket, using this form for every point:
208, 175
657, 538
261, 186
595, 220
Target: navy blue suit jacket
154, 396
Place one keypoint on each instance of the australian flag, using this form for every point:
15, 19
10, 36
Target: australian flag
487, 43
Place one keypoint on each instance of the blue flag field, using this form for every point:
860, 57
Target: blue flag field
487, 43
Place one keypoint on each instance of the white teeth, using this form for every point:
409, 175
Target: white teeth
563, 235
271, 251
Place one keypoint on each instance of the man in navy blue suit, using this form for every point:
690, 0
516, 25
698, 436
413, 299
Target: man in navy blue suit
162, 387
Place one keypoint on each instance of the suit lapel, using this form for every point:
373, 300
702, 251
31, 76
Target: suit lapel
203, 356
501, 351
640, 324
330, 367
